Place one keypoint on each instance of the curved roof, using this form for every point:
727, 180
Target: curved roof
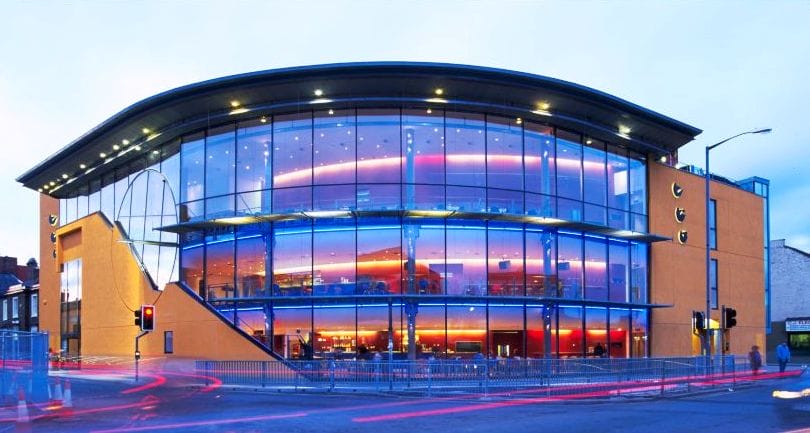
498, 91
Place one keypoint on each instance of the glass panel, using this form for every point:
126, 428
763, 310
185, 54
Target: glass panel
638, 273
170, 167
378, 197
192, 259
70, 210
219, 267
505, 262
713, 283
594, 214
333, 257
466, 164
640, 336
569, 266
638, 186
595, 269
334, 147
335, 333
594, 180
535, 332
253, 166
339, 197
713, 224
192, 176
569, 209
423, 197
292, 332
94, 201
504, 153
618, 178
378, 148
423, 146
540, 205
618, 271
467, 330
596, 340
292, 150
220, 176
506, 332
431, 336
251, 257
505, 202
81, 203
372, 328
292, 260
618, 219
63, 212
541, 269
466, 272
539, 159
570, 332
379, 262
619, 333
569, 165
289, 200
423, 249
466, 199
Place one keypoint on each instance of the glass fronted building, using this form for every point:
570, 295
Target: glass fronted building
425, 209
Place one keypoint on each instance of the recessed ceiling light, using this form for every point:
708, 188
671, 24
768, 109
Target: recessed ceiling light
146, 130
39, 190
65, 176
46, 186
331, 111
263, 119
318, 92
116, 147
429, 111
125, 142
589, 141
52, 183
82, 166
156, 152
518, 120
137, 148
102, 154
234, 103
544, 105
439, 91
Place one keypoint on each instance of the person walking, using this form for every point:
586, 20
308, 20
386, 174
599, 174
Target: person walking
782, 355
755, 359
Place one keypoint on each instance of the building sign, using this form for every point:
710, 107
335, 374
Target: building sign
797, 325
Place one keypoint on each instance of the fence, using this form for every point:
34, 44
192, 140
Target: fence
23, 364
558, 378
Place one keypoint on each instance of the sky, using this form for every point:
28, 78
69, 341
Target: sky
722, 66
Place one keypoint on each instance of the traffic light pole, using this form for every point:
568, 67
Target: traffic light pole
138, 352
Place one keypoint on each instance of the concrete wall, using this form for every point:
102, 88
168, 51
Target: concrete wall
790, 282
678, 271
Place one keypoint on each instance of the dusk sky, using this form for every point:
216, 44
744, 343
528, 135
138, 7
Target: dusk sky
724, 67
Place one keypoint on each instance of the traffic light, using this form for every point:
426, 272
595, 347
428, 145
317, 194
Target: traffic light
698, 321
148, 317
730, 317
137, 317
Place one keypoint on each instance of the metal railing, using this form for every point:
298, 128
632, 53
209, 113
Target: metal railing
23, 365
551, 378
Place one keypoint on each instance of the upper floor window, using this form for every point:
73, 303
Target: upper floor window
5, 309
35, 305
15, 307
713, 283
713, 224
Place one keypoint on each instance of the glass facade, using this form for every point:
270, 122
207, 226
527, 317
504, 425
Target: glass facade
366, 219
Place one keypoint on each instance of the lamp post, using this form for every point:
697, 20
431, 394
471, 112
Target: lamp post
706, 344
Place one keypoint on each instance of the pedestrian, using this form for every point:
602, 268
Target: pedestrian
755, 359
782, 355
599, 351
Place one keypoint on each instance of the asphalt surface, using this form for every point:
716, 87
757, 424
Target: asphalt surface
107, 402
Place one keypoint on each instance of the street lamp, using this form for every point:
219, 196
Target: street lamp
706, 345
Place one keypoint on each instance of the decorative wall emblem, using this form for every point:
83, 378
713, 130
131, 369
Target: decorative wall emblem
53, 219
680, 214
677, 190
683, 235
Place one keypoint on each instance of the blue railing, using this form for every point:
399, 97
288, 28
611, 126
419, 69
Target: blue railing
24, 365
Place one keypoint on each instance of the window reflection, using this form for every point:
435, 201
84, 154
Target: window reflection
334, 267
292, 150
465, 270
423, 146
423, 250
504, 153
378, 147
506, 334
596, 336
292, 260
334, 154
569, 266
379, 260
466, 331
505, 262
253, 167
465, 157
596, 287
570, 332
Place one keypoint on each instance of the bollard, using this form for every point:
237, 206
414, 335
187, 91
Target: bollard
67, 400
57, 390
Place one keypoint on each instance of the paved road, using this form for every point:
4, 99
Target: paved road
106, 403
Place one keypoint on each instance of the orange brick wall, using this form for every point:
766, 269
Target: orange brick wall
678, 272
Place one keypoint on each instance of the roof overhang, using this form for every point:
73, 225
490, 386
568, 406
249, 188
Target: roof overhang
161, 118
